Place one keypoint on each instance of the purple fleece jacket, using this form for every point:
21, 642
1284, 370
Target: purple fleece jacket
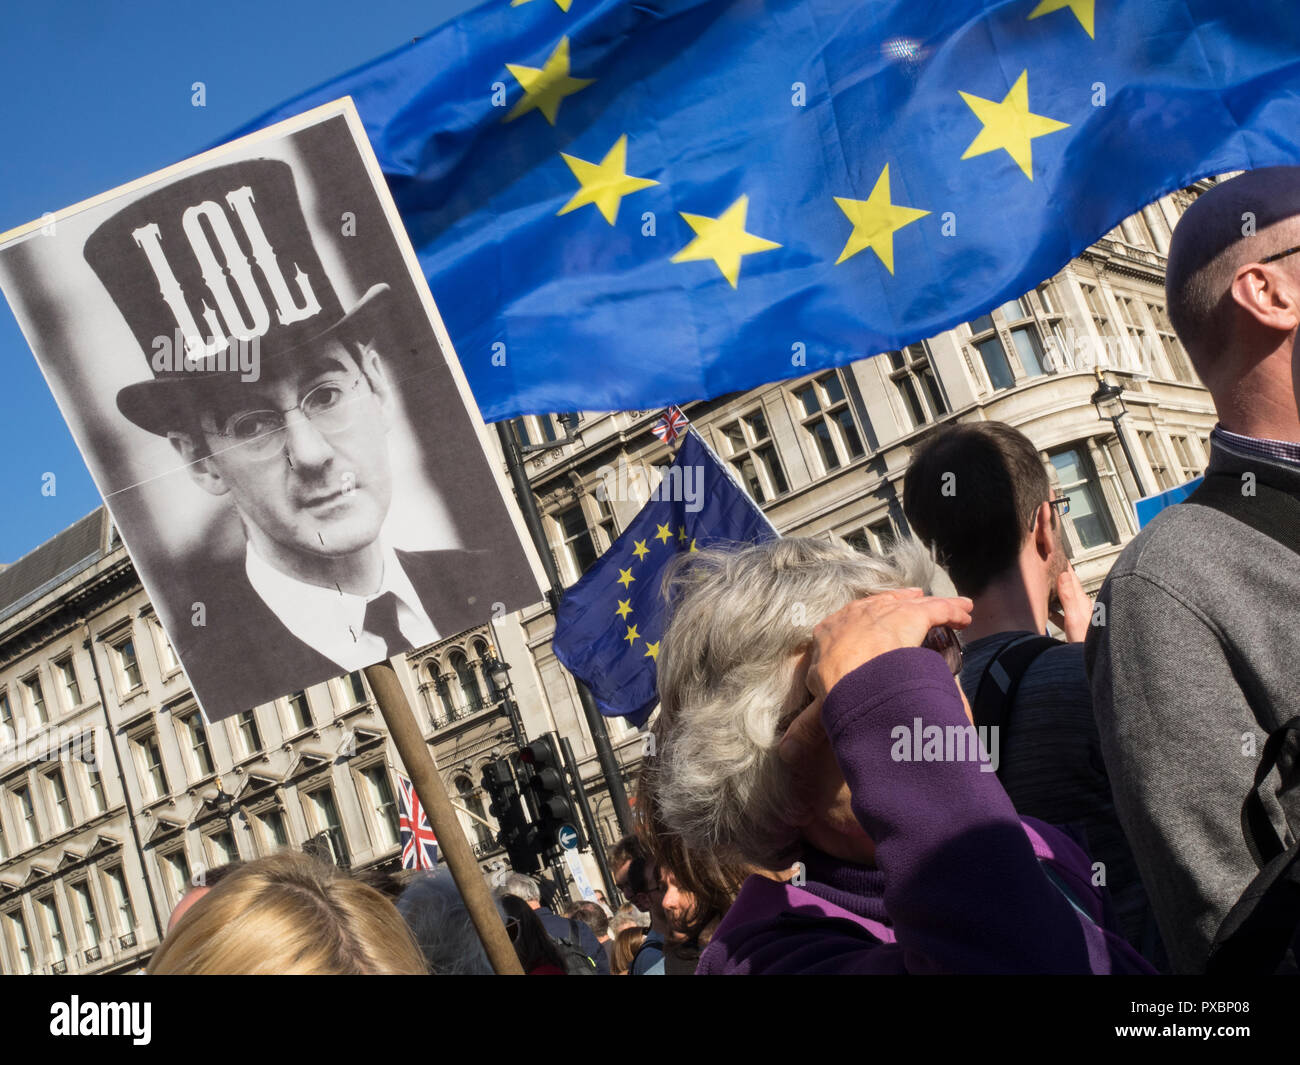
958, 888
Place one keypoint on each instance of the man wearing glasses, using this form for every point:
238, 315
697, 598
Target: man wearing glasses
1193, 661
295, 438
979, 495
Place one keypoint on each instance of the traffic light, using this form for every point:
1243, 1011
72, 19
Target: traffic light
518, 835
552, 799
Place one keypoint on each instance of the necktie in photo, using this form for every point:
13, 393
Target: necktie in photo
381, 621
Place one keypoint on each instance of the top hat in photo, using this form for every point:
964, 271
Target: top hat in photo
203, 269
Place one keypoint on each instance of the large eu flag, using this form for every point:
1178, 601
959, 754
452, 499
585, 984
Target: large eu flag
609, 624
621, 204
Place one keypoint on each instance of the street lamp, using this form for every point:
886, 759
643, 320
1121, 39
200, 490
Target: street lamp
498, 673
1109, 401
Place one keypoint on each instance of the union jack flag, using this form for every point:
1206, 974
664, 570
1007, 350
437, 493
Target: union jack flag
671, 425
419, 845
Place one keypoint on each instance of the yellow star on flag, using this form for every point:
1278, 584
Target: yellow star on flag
663, 535
564, 5
1010, 125
652, 650
723, 239
640, 550
1084, 11
681, 533
693, 547
604, 183
624, 608
545, 88
625, 577
875, 221
632, 635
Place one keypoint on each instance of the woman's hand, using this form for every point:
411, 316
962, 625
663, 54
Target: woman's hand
854, 635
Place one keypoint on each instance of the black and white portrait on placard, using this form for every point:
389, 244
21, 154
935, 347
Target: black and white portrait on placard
261, 386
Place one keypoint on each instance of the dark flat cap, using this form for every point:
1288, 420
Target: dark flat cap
1226, 214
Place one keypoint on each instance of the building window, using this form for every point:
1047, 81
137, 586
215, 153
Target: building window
59, 799
1013, 321
1156, 458
468, 681
471, 800
128, 666
71, 689
300, 711
605, 520
442, 685
149, 761
578, 547
274, 833
1077, 480
198, 740
249, 736
176, 867
26, 815
95, 785
7, 732
22, 945
37, 711
167, 653
325, 818
1188, 465
994, 356
751, 452
120, 900
222, 849
825, 414
49, 912
86, 916
918, 387
1097, 308
1179, 366
356, 689
383, 803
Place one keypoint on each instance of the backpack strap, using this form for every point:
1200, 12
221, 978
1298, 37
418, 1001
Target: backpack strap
1270, 510
1001, 679
1259, 928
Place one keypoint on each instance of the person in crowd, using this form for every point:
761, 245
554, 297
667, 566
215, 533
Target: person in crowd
1192, 653
210, 879
627, 916
800, 699
289, 914
977, 493
595, 918
537, 951
637, 877
627, 944
562, 929
433, 908
604, 902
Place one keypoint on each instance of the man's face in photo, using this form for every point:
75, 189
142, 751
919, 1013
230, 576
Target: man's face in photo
302, 452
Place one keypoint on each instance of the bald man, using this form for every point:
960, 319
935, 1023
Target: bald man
1192, 652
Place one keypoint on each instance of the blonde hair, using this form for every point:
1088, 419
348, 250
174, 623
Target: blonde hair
626, 944
290, 914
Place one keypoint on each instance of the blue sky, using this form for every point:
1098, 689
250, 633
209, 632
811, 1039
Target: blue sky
93, 95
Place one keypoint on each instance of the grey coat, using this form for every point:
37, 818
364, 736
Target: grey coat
1197, 660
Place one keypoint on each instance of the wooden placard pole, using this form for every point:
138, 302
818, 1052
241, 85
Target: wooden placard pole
400, 719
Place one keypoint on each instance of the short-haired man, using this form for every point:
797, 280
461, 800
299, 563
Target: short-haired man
978, 494
283, 411
1193, 662
561, 929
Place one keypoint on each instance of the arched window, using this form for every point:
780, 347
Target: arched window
468, 682
472, 801
444, 691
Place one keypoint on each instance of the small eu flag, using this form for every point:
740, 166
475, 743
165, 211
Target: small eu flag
608, 627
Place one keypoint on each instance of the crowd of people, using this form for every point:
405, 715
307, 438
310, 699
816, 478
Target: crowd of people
851, 774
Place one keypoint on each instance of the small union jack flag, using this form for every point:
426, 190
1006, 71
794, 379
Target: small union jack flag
419, 845
671, 425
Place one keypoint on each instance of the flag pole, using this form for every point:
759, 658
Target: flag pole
415, 755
